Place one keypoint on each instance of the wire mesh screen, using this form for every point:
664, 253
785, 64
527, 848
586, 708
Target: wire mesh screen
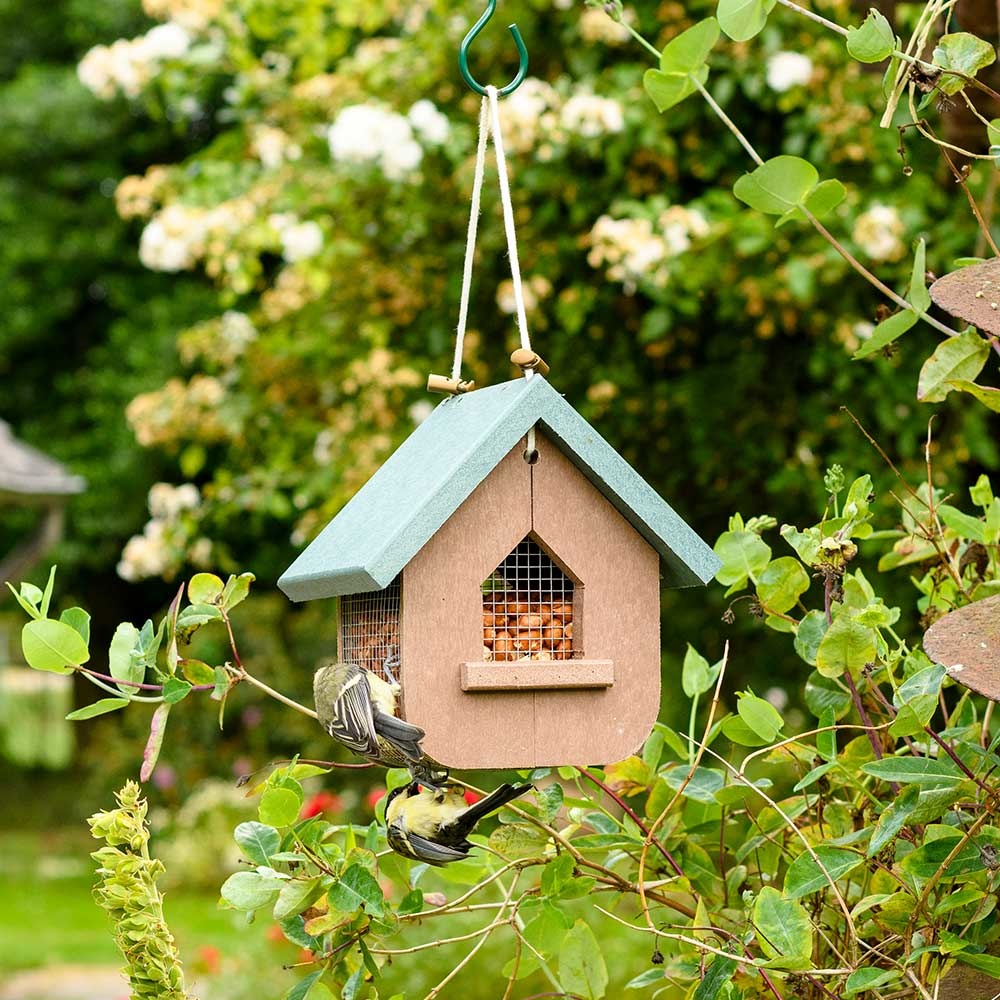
528, 608
369, 630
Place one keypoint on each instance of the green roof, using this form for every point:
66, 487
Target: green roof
440, 464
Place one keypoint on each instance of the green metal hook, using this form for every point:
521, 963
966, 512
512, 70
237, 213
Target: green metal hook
463, 54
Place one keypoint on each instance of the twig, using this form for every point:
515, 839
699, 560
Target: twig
634, 816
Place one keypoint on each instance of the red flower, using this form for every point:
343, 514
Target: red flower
209, 958
373, 796
472, 797
321, 802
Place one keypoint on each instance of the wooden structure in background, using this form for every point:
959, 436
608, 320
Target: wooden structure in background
30, 479
534, 677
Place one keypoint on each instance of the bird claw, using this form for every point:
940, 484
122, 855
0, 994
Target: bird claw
390, 664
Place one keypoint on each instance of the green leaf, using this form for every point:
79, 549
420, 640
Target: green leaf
46, 599
29, 607
965, 525
151, 752
760, 715
78, 619
682, 62
805, 876
744, 555
251, 890
689, 50
782, 584
280, 806
982, 493
826, 742
719, 972
990, 964
357, 889
920, 298
873, 41
737, 730
926, 681
809, 635
175, 690
988, 395
822, 200
893, 818
53, 646
647, 978
300, 991
783, 927
742, 19
123, 662
918, 770
258, 841
581, 963
197, 672
237, 590
869, 978
412, 902
845, 648
297, 895
886, 332
204, 588
927, 859
557, 874
696, 676
957, 358
101, 707
778, 185
963, 53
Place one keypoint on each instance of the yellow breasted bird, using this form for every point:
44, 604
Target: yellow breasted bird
432, 824
357, 708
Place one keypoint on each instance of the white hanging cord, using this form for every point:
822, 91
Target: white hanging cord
470, 243
508, 218
489, 121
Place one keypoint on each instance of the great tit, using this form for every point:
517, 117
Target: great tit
432, 824
357, 708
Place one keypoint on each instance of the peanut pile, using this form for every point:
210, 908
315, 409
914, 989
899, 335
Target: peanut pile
526, 627
371, 638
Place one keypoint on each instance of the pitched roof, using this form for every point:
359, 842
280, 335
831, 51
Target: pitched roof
28, 473
439, 465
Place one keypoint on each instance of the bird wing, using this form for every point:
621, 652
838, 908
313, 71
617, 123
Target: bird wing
432, 852
403, 735
352, 722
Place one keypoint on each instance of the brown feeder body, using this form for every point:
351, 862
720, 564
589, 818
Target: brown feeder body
523, 597
551, 713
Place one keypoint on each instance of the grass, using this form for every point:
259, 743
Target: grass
48, 917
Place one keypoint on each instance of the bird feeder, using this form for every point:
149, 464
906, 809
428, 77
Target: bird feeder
523, 591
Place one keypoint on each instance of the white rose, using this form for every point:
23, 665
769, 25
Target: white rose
166, 41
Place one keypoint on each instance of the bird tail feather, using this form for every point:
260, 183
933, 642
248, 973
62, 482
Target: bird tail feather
504, 794
402, 734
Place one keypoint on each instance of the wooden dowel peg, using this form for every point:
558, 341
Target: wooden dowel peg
529, 361
449, 386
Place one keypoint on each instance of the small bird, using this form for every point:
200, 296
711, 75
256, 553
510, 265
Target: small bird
432, 824
357, 708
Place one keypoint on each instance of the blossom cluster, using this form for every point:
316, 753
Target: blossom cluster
373, 135
638, 249
536, 117
879, 233
127, 65
156, 551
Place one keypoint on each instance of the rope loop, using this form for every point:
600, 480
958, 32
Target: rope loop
489, 124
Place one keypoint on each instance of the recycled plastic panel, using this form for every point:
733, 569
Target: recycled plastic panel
616, 604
